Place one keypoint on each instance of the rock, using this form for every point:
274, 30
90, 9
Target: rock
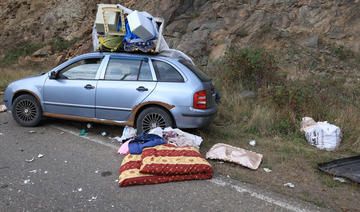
311, 42
21, 61
43, 52
59, 59
247, 94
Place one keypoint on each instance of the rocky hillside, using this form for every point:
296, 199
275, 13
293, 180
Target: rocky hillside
321, 35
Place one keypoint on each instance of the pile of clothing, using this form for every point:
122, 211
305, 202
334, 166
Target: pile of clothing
162, 156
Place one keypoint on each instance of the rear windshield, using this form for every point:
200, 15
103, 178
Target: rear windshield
201, 75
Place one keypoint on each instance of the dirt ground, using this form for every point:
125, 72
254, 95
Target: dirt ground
290, 159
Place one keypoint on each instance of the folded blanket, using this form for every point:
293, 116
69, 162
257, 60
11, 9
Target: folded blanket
164, 163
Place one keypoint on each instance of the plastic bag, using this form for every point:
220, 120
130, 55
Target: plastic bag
323, 135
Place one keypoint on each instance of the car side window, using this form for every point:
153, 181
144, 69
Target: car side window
122, 69
81, 70
166, 73
145, 71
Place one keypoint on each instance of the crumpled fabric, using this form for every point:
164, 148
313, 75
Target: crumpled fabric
124, 149
178, 137
233, 154
144, 140
3, 108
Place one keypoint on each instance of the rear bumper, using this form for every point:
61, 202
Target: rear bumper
188, 117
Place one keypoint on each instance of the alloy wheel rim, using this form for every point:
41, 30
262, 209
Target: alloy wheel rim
153, 120
26, 110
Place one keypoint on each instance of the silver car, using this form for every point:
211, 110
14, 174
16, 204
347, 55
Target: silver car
143, 91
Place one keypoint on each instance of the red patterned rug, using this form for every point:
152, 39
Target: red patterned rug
164, 163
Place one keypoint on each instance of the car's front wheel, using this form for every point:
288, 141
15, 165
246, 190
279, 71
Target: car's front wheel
26, 110
151, 118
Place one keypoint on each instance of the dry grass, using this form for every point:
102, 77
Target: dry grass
273, 120
11, 74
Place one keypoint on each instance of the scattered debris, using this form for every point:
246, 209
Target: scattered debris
252, 142
289, 185
344, 167
93, 198
32, 131
83, 132
237, 155
324, 188
228, 176
89, 125
97, 171
3, 108
27, 181
1, 134
65, 161
128, 132
45, 172
267, 170
321, 134
33, 171
40, 155
221, 162
61, 133
104, 133
30, 160
79, 189
340, 179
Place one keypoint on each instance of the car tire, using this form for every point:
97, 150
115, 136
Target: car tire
153, 117
26, 110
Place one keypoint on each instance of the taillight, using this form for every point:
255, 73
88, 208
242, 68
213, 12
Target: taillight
200, 100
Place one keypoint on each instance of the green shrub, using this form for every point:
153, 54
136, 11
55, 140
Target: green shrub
253, 67
60, 44
21, 50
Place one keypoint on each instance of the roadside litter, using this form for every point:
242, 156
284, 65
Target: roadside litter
104, 133
32, 131
124, 149
40, 155
3, 108
291, 185
128, 132
321, 134
178, 137
30, 160
237, 155
164, 163
267, 170
83, 132
341, 180
252, 143
345, 167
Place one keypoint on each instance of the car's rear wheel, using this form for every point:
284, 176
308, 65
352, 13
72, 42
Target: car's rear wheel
26, 110
151, 118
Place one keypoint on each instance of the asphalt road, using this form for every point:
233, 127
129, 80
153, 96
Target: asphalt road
80, 174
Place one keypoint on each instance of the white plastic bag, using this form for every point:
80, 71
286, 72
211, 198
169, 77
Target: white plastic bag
323, 135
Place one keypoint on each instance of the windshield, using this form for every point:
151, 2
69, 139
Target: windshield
201, 75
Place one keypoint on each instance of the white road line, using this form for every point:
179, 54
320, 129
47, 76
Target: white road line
257, 195
86, 137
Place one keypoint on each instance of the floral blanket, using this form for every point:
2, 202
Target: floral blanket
164, 163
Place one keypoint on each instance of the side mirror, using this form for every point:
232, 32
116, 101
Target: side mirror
52, 75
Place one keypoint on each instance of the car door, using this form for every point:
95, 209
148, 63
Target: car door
72, 92
126, 82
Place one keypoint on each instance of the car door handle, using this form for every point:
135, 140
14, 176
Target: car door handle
142, 88
88, 86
